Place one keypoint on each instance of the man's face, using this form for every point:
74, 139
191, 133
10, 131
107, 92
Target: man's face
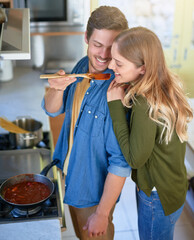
99, 49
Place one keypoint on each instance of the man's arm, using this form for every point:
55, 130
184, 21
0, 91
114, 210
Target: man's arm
54, 95
53, 100
97, 223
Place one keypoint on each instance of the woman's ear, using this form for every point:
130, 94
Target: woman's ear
85, 37
143, 70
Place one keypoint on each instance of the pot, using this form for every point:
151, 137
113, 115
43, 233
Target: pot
41, 178
27, 140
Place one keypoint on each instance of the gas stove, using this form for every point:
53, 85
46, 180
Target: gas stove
49, 209
14, 161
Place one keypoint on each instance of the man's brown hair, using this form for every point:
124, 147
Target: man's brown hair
106, 17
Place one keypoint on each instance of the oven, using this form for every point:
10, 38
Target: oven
15, 161
46, 13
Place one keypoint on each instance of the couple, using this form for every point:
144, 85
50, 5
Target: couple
99, 144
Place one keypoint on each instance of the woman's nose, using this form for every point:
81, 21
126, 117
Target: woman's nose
110, 66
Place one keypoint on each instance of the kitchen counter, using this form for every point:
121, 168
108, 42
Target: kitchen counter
22, 96
34, 230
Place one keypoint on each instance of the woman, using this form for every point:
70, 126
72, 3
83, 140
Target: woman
154, 141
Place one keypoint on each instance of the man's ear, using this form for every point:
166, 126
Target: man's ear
143, 70
85, 37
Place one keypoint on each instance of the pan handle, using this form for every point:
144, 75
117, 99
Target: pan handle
48, 167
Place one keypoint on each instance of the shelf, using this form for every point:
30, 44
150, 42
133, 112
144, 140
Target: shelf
55, 33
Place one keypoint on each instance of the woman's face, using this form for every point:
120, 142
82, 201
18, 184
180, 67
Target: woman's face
125, 71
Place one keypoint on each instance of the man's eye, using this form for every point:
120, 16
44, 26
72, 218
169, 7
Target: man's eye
97, 45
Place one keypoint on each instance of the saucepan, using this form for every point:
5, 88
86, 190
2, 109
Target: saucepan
27, 140
10, 183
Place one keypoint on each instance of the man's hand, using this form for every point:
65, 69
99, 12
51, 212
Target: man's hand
54, 95
61, 83
96, 225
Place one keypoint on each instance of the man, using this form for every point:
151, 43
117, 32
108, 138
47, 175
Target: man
87, 148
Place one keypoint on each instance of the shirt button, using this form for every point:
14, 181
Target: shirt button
87, 93
96, 116
92, 81
89, 111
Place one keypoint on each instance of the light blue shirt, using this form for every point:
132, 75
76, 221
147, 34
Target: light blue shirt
95, 150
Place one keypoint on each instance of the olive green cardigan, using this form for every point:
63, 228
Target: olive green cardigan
153, 164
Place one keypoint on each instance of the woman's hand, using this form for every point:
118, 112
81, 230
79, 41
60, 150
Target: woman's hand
61, 83
116, 91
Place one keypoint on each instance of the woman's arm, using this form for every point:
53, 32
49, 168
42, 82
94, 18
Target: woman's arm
136, 143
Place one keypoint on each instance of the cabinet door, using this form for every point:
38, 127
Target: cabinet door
187, 51
173, 22
172, 52
162, 17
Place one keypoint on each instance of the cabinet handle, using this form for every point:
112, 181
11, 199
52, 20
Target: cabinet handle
174, 55
185, 53
177, 66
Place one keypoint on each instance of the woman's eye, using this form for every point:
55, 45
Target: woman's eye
118, 64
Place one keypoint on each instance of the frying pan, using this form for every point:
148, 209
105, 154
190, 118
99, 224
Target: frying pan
29, 177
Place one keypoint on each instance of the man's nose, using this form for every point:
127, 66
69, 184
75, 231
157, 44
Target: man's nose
105, 53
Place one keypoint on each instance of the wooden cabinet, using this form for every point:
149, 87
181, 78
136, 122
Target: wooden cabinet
55, 126
7, 3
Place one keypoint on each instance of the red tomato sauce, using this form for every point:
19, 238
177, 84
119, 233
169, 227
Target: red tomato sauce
26, 192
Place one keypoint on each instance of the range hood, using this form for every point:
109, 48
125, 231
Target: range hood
15, 34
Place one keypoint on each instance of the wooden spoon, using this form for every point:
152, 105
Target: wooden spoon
11, 127
96, 76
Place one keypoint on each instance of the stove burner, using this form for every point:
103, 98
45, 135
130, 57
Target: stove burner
22, 212
17, 212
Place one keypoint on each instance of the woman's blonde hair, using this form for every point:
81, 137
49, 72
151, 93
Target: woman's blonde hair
162, 89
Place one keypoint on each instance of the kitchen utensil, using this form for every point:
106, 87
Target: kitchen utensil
32, 178
96, 76
1, 34
6, 70
11, 127
30, 139
3, 17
